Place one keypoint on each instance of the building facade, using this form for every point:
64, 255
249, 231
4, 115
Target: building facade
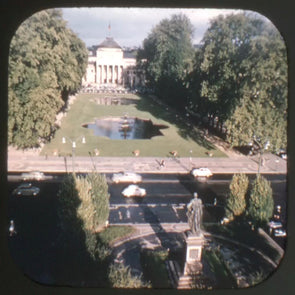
110, 65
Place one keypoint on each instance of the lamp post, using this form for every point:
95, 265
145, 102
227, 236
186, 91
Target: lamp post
73, 142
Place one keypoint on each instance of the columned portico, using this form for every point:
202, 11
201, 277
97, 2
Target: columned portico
108, 64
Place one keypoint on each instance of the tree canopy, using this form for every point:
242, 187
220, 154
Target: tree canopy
46, 62
236, 202
168, 55
261, 204
240, 77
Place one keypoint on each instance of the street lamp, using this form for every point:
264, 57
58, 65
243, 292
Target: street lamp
73, 147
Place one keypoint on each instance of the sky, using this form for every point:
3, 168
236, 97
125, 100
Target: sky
130, 26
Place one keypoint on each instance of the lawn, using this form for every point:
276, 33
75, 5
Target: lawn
113, 233
187, 141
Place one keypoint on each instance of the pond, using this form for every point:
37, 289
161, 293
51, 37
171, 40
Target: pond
125, 128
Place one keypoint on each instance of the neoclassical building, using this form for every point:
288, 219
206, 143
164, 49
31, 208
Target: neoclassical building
110, 65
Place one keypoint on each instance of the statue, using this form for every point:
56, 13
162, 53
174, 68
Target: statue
194, 214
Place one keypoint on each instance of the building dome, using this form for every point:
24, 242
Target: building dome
109, 42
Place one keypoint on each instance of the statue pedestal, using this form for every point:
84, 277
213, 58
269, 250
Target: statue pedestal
194, 246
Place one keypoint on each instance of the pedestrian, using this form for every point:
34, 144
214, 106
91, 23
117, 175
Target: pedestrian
12, 230
162, 163
128, 214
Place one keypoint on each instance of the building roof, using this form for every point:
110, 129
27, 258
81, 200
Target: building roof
109, 42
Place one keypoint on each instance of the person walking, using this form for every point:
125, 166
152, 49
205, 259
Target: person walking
12, 230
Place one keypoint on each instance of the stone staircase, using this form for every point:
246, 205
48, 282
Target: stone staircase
177, 279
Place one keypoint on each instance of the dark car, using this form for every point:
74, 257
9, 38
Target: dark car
26, 189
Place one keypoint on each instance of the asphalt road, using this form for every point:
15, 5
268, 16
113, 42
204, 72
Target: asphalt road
164, 192
166, 199
34, 247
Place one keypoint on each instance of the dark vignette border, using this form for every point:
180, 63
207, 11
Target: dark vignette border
13, 12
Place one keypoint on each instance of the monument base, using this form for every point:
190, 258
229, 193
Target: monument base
194, 247
193, 268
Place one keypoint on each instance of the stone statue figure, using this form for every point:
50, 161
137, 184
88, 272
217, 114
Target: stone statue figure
195, 214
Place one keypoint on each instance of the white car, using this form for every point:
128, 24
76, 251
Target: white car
275, 224
201, 172
126, 177
280, 232
26, 189
133, 191
34, 175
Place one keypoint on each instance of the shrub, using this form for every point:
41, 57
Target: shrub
236, 202
120, 277
261, 204
100, 198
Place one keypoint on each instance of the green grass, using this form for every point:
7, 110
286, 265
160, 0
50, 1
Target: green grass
85, 110
113, 233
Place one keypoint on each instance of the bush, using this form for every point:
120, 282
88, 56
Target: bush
236, 202
69, 201
154, 268
100, 198
84, 207
120, 277
261, 204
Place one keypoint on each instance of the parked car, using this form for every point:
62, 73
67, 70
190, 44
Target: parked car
282, 153
275, 224
126, 177
34, 175
26, 189
133, 191
280, 232
201, 172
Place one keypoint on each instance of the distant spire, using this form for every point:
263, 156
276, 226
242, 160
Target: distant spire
109, 31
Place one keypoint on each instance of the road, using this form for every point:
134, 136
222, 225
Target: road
35, 249
167, 196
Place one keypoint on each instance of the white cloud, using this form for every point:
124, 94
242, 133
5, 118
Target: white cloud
129, 26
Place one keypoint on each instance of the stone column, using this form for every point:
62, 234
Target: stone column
116, 74
113, 73
98, 74
102, 73
121, 76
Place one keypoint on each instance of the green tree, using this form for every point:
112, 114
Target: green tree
84, 207
46, 63
168, 54
236, 202
264, 97
100, 198
261, 205
240, 77
69, 201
